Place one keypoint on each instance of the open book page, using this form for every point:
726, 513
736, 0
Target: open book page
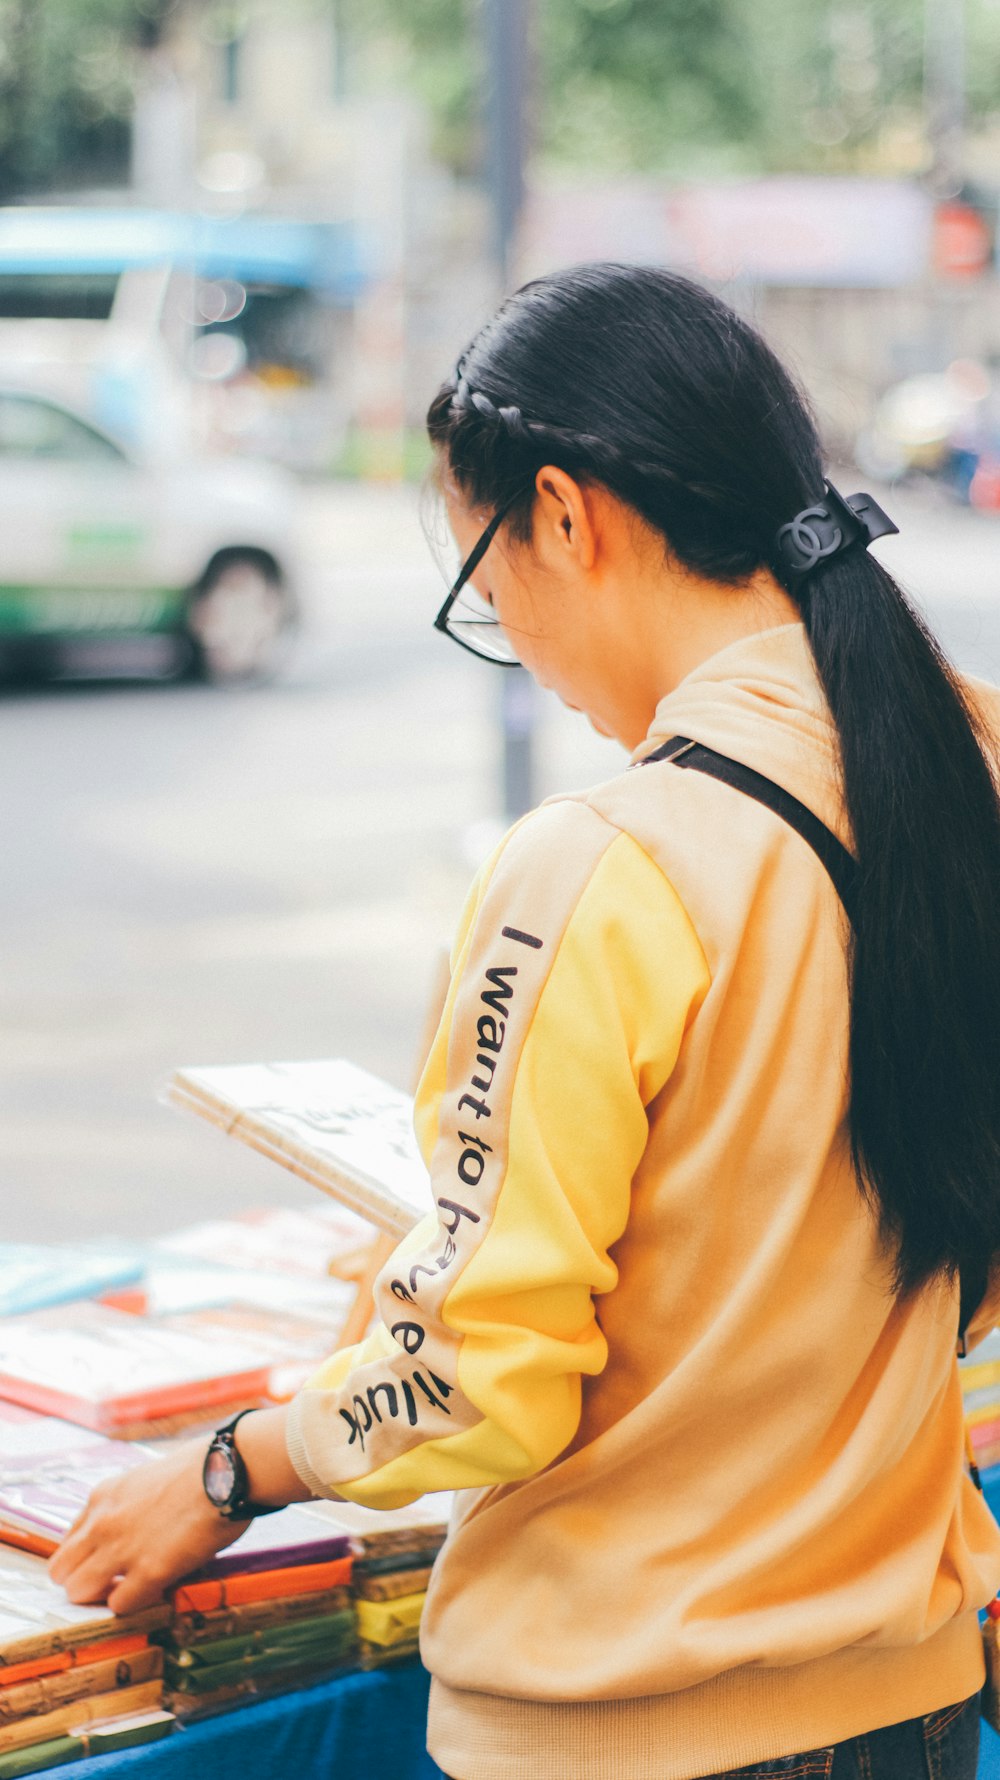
333, 1124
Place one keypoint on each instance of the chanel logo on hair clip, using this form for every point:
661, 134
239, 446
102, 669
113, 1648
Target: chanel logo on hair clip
832, 525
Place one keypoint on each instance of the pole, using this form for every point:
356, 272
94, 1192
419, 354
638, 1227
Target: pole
944, 92
507, 65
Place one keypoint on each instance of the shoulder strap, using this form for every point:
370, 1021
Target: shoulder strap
843, 869
840, 864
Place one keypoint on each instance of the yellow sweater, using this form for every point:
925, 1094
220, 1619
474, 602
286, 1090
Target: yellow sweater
715, 1507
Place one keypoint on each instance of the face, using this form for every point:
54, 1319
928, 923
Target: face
543, 593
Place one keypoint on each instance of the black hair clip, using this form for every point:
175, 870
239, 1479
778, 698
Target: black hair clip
832, 525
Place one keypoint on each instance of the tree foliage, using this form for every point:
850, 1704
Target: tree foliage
685, 85
66, 84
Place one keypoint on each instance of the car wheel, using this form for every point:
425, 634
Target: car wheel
237, 620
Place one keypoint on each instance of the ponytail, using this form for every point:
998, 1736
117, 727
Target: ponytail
641, 380
925, 954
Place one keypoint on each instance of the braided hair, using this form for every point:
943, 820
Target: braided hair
643, 382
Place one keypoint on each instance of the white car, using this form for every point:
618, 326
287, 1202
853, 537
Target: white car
104, 542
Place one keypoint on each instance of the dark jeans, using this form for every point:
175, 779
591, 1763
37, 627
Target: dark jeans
942, 1746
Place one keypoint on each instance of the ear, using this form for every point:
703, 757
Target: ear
564, 525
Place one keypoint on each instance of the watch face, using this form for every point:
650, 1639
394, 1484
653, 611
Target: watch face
220, 1476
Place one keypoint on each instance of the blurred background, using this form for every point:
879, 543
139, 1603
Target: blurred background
241, 241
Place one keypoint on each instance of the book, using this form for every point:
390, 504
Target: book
126, 1732
334, 1125
146, 1696
231, 1591
292, 1345
280, 1542
178, 1285
104, 1369
27, 1699
189, 1708
34, 1275
159, 1431
378, 1656
387, 1541
315, 1242
58, 1662
38, 1756
390, 1623
325, 1630
48, 1468
192, 1628
37, 1619
391, 1586
328, 1642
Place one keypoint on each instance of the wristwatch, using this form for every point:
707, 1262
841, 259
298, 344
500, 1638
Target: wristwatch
224, 1476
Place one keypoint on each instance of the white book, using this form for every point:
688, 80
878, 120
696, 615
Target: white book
331, 1123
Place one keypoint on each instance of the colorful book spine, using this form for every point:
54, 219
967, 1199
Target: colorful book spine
322, 1653
381, 1563
103, 1650
190, 1707
387, 1623
148, 1696
97, 1739
393, 1585
232, 1591
191, 1629
330, 1630
27, 1699
39, 1756
112, 1413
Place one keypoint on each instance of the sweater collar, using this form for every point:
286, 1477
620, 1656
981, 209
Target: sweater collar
760, 701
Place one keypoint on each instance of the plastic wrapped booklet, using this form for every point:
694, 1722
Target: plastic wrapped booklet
45, 1484
105, 1370
334, 1125
44, 1693
34, 1275
46, 1480
38, 1621
64, 1720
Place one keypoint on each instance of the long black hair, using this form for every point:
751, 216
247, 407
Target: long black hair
646, 383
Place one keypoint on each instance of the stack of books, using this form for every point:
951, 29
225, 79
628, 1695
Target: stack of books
981, 1394
48, 1468
220, 1317
393, 1555
73, 1680
291, 1323
268, 1614
304, 1243
123, 1375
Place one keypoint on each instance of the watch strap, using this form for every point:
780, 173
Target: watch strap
239, 1505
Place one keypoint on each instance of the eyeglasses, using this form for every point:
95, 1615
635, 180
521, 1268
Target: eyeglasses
466, 616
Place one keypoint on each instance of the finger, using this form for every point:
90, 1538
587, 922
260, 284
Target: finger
73, 1548
134, 1591
89, 1582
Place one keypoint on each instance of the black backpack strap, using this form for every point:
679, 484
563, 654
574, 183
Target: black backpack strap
840, 864
843, 869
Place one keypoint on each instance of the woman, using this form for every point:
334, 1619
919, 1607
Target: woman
711, 1148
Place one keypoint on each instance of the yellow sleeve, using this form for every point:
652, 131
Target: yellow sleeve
575, 974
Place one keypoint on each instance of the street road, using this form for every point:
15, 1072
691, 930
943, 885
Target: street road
193, 876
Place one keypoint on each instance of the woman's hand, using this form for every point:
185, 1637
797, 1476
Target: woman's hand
141, 1531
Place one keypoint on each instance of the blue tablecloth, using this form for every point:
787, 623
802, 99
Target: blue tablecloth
358, 1727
